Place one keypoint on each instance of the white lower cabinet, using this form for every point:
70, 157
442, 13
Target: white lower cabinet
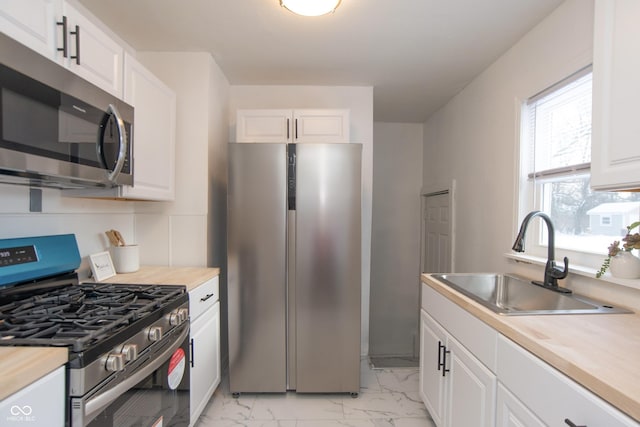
204, 307
432, 382
511, 412
458, 389
41, 403
553, 397
470, 375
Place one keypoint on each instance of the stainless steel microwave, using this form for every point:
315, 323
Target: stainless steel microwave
57, 129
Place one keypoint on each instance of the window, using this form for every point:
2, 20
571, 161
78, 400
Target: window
605, 220
555, 178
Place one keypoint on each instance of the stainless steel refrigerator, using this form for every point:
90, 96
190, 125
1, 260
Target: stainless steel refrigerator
294, 257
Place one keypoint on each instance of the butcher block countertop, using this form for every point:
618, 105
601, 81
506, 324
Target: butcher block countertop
192, 277
20, 366
599, 351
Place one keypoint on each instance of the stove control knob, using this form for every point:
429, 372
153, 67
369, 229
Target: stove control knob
183, 314
155, 333
174, 318
115, 362
130, 352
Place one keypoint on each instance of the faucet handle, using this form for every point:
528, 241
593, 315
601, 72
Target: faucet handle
557, 273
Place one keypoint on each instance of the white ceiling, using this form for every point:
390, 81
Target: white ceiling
416, 54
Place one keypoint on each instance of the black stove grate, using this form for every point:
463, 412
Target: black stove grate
78, 315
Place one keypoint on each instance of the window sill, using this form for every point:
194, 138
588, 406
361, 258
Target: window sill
575, 269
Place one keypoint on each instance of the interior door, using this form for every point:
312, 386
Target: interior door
436, 239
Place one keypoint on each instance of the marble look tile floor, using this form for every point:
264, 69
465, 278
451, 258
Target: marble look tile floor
388, 398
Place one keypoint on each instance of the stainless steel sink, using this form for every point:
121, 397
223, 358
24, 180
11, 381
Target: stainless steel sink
512, 295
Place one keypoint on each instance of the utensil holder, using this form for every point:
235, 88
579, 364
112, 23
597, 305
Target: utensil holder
126, 259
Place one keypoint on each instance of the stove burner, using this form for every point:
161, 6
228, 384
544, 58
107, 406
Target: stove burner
78, 315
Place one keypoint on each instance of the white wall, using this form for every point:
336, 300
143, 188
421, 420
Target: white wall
474, 139
359, 100
395, 239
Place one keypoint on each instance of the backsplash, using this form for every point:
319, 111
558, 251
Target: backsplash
86, 218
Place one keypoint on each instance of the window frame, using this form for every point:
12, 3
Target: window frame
530, 198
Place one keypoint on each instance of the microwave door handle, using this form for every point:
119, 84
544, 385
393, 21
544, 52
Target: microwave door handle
94, 406
123, 143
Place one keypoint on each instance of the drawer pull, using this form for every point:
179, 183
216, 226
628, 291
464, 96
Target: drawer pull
206, 297
568, 422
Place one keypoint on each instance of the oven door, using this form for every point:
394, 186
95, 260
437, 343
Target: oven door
154, 394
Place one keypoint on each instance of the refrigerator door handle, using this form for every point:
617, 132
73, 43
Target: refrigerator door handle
291, 301
291, 176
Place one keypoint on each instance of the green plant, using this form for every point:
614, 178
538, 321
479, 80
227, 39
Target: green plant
631, 241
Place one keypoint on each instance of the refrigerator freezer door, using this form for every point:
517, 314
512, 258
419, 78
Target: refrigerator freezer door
257, 209
327, 267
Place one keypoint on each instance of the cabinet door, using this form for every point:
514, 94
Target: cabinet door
615, 150
32, 23
205, 359
432, 381
471, 389
512, 413
100, 57
321, 126
40, 404
154, 133
264, 126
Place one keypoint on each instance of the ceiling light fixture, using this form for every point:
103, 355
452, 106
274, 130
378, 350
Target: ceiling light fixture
311, 7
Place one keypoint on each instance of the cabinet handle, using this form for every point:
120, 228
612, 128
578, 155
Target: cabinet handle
192, 353
568, 422
65, 47
444, 361
287, 129
206, 297
77, 34
296, 129
442, 358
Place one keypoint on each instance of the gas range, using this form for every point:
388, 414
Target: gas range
114, 332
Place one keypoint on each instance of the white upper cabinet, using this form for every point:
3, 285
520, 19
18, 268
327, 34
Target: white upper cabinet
58, 31
92, 54
296, 126
263, 125
615, 147
32, 23
154, 137
320, 126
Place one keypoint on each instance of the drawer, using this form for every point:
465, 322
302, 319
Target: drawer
549, 394
203, 297
478, 337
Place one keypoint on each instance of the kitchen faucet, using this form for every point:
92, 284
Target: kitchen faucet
551, 272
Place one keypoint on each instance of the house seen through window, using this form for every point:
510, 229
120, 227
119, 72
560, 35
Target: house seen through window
556, 156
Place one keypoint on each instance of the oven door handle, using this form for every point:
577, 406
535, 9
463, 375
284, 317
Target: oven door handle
94, 406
